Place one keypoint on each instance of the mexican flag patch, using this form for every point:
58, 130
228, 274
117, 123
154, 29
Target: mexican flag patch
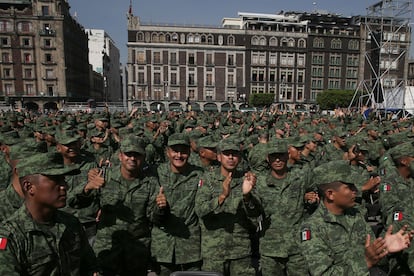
3, 243
398, 216
200, 183
306, 234
385, 187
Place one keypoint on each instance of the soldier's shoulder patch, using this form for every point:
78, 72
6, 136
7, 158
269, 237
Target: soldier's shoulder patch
385, 187
306, 234
3, 243
398, 216
200, 183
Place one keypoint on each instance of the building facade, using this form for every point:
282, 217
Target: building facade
292, 55
44, 54
104, 58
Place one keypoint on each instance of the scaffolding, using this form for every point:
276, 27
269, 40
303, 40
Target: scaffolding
385, 43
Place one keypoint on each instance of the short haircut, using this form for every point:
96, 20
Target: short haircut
322, 188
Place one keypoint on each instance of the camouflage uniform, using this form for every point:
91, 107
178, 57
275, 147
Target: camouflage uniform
10, 202
176, 231
226, 228
124, 228
334, 245
59, 248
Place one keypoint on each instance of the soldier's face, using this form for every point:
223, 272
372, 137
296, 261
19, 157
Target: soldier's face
178, 155
70, 150
294, 153
278, 161
344, 197
49, 191
229, 159
131, 161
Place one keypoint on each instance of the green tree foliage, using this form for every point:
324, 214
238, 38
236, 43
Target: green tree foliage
258, 100
331, 99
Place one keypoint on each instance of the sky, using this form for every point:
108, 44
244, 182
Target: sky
110, 15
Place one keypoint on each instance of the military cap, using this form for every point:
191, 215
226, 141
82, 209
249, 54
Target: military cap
228, 144
178, 139
404, 149
66, 137
26, 148
190, 123
277, 146
10, 138
132, 143
333, 171
339, 133
206, 142
46, 164
296, 142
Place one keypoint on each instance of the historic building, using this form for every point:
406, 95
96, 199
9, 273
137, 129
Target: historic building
292, 55
44, 54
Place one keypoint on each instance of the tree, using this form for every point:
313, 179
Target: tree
331, 99
261, 99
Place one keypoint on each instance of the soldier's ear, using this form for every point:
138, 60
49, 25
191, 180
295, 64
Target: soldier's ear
330, 194
27, 187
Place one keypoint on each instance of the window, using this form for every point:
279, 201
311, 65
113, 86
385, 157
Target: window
287, 59
302, 43
336, 44
5, 57
50, 90
262, 41
317, 71
173, 58
29, 89
5, 41
353, 45
351, 72
190, 38
191, 59
230, 59
47, 29
230, 80
157, 78
335, 59
209, 79
24, 27
291, 42
317, 83
301, 76
191, 94
318, 43
258, 74
48, 58
45, 10
273, 59
273, 41
47, 43
333, 84
8, 88
27, 57
209, 94
350, 84
230, 40
191, 78
28, 73
301, 60
141, 78
140, 36
286, 76
156, 58
6, 73
272, 75
209, 59
317, 58
141, 57
173, 78
255, 41
49, 74
352, 60
5, 26
26, 42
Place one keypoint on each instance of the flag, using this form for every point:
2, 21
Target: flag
306, 234
200, 183
398, 216
3, 243
385, 187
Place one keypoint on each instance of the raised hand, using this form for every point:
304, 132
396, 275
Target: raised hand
375, 251
398, 241
161, 200
249, 182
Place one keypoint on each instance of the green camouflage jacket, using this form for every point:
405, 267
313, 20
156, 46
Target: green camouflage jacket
10, 202
59, 248
225, 229
176, 231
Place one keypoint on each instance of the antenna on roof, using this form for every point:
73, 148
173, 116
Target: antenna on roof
130, 7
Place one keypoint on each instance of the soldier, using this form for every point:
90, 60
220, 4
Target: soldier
175, 242
336, 149
336, 240
229, 209
282, 193
207, 154
123, 238
38, 239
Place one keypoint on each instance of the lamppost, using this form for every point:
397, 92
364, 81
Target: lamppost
166, 95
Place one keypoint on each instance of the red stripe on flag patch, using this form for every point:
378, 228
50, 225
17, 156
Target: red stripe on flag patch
3, 243
398, 216
306, 234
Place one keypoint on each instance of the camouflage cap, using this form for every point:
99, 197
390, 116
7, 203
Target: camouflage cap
228, 144
132, 143
277, 146
206, 142
333, 171
402, 150
65, 137
10, 138
26, 148
296, 142
46, 164
178, 139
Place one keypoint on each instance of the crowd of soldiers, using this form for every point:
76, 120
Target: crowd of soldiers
269, 193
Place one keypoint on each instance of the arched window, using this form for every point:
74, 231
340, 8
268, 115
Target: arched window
162, 38
154, 37
190, 38
255, 41
203, 39
210, 39
273, 41
167, 38
302, 43
263, 41
291, 42
140, 36
284, 42
230, 40
353, 45
5, 26
318, 43
336, 44
174, 37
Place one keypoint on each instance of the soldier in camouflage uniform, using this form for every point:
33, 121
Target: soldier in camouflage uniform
38, 239
123, 239
336, 240
282, 194
175, 242
228, 209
